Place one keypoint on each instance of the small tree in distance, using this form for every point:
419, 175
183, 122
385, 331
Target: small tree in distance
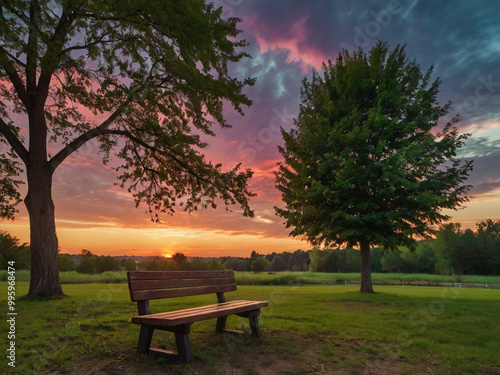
365, 164
260, 264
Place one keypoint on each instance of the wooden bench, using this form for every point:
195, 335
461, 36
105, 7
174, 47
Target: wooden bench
150, 285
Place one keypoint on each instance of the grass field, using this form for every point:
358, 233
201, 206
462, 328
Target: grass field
284, 278
307, 329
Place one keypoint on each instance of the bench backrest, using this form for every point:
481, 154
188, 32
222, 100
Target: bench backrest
149, 285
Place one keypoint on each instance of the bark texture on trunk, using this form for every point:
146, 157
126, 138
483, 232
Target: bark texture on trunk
366, 268
44, 280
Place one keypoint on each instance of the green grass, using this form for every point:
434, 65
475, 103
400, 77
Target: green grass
73, 277
317, 329
291, 278
283, 278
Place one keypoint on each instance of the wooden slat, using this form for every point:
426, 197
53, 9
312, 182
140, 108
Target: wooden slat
200, 309
140, 295
197, 314
157, 275
179, 283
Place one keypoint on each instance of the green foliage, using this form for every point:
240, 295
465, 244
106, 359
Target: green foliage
92, 264
66, 263
179, 261
11, 250
88, 265
376, 255
238, 264
260, 264
10, 171
214, 265
453, 252
392, 262
465, 252
317, 260
364, 163
340, 260
130, 265
197, 263
157, 264
107, 263
278, 264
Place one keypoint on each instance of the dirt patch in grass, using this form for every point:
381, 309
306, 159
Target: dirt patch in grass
320, 355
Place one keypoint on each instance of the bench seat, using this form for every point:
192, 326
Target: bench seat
197, 314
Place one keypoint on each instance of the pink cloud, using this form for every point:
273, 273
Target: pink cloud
294, 41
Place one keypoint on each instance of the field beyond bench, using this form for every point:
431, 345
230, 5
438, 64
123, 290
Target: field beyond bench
150, 285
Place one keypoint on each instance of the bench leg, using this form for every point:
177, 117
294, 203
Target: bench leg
145, 337
183, 344
221, 324
253, 319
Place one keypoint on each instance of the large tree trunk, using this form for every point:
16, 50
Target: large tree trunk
366, 268
44, 280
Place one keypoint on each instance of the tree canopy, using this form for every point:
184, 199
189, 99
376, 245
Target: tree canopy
365, 163
146, 80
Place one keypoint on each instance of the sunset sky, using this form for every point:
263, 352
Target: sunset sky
288, 40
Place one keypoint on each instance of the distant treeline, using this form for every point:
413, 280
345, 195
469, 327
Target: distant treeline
453, 251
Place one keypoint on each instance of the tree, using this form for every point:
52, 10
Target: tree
317, 260
215, 265
88, 265
426, 258
11, 250
447, 246
130, 265
260, 264
107, 263
392, 262
145, 80
488, 235
198, 264
278, 264
180, 261
65, 263
364, 164
375, 256
300, 260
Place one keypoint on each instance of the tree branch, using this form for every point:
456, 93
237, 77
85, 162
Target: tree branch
129, 135
183, 165
32, 51
95, 132
50, 60
17, 82
85, 46
14, 142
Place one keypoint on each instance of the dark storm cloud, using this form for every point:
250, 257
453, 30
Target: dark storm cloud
460, 38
